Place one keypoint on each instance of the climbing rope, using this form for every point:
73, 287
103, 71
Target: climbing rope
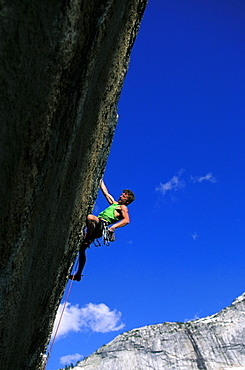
108, 236
47, 356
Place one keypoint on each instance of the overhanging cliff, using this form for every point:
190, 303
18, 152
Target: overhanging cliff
62, 68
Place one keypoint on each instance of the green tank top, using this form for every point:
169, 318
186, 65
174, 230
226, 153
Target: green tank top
109, 214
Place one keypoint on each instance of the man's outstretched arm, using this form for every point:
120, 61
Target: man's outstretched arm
108, 196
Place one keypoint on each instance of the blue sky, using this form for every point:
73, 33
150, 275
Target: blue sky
179, 145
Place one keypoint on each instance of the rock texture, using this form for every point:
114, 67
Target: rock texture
212, 343
62, 68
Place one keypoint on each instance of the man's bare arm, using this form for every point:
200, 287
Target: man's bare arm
108, 196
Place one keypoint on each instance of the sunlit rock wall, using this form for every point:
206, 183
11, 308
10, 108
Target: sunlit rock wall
62, 68
212, 343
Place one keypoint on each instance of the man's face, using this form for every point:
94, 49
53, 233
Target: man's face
123, 199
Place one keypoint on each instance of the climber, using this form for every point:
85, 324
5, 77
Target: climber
116, 215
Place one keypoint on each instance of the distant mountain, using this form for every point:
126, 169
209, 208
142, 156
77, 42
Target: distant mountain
215, 342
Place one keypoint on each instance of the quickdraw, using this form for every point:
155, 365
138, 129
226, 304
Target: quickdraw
107, 235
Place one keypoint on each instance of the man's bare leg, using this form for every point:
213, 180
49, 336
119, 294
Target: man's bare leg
92, 222
81, 263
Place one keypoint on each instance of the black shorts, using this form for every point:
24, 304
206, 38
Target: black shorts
97, 233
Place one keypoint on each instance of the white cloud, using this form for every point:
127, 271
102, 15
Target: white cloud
68, 359
208, 177
174, 184
194, 236
100, 319
177, 183
196, 317
95, 317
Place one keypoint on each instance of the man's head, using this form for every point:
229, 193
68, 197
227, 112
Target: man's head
126, 197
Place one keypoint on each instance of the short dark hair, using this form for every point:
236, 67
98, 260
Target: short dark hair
131, 196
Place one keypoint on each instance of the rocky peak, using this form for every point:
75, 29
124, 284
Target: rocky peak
215, 342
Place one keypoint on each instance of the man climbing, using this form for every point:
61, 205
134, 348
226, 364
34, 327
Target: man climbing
116, 215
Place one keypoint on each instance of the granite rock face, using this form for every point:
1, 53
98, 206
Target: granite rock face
212, 343
62, 68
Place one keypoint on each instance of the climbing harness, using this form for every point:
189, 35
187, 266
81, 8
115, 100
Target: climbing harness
107, 235
101, 232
